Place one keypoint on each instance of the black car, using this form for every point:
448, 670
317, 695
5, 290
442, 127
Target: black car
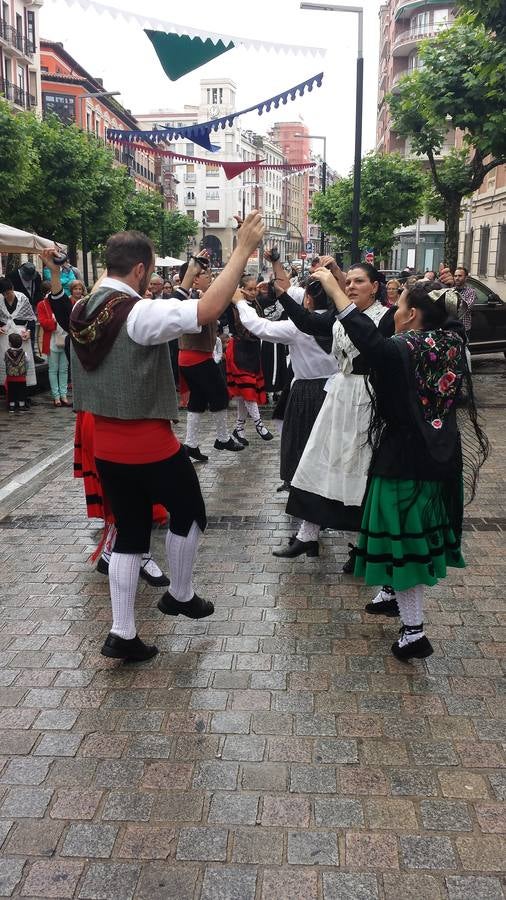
488, 322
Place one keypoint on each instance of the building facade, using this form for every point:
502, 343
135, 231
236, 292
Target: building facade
403, 25
293, 139
19, 53
71, 93
482, 246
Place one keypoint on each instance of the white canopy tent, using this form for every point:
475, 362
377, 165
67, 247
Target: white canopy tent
13, 240
163, 261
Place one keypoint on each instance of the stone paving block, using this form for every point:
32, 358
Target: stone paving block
23, 802
25, 771
231, 809
368, 850
271, 723
52, 878
89, 840
150, 746
312, 779
290, 749
75, 804
306, 848
480, 755
288, 884
127, 806
421, 852
111, 881
57, 719
445, 815
215, 775
72, 772
202, 844
391, 815
341, 813
286, 811
433, 753
334, 750
55, 744
231, 723
343, 886
482, 854
463, 785
264, 777
473, 887
244, 747
119, 773
101, 746
11, 870
166, 881
34, 838
183, 807
143, 842
411, 887
5, 827
498, 784
257, 845
309, 724
229, 883
362, 780
491, 817
413, 782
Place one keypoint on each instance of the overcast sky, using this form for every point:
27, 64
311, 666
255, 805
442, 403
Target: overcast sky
122, 55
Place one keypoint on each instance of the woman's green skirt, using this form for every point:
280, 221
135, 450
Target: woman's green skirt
405, 538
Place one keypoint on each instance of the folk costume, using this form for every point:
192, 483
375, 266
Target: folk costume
245, 379
412, 516
273, 354
122, 374
312, 366
206, 383
330, 480
17, 316
16, 366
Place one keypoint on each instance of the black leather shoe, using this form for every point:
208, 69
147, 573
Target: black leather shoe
154, 580
264, 433
383, 608
196, 608
298, 548
349, 565
134, 650
103, 566
194, 453
419, 649
283, 487
240, 438
228, 445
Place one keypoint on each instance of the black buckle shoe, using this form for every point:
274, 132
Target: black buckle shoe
268, 436
240, 438
154, 580
283, 487
228, 445
387, 608
418, 649
194, 453
102, 566
133, 650
196, 608
349, 566
298, 548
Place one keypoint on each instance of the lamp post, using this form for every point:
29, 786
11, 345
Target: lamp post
355, 216
320, 137
84, 126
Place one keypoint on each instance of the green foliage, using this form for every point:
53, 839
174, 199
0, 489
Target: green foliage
490, 13
392, 195
144, 212
177, 228
17, 158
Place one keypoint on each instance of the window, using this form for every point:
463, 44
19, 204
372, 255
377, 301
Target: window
220, 95
215, 95
500, 269
483, 251
190, 150
190, 213
30, 29
62, 106
213, 215
468, 250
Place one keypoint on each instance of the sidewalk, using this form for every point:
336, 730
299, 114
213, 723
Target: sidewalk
276, 751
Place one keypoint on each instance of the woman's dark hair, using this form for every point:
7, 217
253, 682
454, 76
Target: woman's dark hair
434, 312
15, 340
373, 275
127, 249
245, 278
5, 285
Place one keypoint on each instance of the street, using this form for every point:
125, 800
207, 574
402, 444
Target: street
274, 750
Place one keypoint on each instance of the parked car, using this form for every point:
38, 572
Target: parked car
488, 320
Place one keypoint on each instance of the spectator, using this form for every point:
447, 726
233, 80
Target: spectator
16, 366
67, 276
53, 345
156, 285
393, 291
168, 290
430, 275
467, 296
16, 314
26, 280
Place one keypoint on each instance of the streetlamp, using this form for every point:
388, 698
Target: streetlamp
355, 216
320, 137
84, 97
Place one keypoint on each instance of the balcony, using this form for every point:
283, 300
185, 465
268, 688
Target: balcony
190, 177
408, 41
16, 95
15, 39
405, 8
190, 201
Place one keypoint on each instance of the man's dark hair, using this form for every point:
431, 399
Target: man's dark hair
15, 340
127, 249
5, 285
466, 271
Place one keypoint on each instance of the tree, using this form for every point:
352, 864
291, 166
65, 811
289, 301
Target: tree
392, 195
490, 13
177, 228
17, 159
169, 231
462, 85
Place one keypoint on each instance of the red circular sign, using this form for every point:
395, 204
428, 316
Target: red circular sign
303, 255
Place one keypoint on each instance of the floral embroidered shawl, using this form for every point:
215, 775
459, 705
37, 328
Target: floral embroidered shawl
438, 363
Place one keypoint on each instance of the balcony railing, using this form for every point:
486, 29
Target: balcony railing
190, 177
17, 95
15, 39
417, 34
190, 201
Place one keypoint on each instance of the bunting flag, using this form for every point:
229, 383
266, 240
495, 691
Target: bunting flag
231, 169
149, 22
180, 54
199, 134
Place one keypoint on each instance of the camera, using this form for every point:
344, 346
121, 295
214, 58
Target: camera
274, 254
60, 258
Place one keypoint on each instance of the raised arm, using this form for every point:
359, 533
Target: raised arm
317, 324
275, 332
60, 304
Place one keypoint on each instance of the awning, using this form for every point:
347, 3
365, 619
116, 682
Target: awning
13, 240
163, 261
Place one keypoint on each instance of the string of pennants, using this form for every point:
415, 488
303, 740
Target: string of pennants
231, 169
200, 133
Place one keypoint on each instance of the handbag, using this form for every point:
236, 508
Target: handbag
59, 340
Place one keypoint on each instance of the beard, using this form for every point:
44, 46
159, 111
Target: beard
143, 284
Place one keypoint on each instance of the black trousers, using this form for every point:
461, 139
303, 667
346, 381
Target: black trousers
208, 388
16, 392
133, 488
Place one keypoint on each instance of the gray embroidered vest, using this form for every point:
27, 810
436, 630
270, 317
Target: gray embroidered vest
133, 382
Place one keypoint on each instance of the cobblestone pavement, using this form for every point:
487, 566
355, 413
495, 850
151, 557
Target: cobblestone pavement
276, 750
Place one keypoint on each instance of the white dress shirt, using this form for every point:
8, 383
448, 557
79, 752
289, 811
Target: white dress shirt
156, 321
308, 359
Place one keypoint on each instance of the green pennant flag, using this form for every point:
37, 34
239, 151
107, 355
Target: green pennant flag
180, 54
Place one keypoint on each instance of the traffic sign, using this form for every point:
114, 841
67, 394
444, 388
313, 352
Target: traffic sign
309, 246
369, 256
303, 255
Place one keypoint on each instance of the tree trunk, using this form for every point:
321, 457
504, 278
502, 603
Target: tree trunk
452, 220
94, 266
72, 252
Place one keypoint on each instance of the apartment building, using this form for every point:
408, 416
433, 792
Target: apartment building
19, 53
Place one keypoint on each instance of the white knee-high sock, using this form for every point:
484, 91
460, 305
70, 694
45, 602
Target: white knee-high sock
308, 531
241, 414
181, 552
221, 425
253, 410
410, 605
123, 578
193, 420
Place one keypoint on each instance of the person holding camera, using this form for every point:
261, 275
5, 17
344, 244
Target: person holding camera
197, 366
122, 374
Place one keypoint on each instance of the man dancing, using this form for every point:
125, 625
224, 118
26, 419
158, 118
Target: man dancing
122, 374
